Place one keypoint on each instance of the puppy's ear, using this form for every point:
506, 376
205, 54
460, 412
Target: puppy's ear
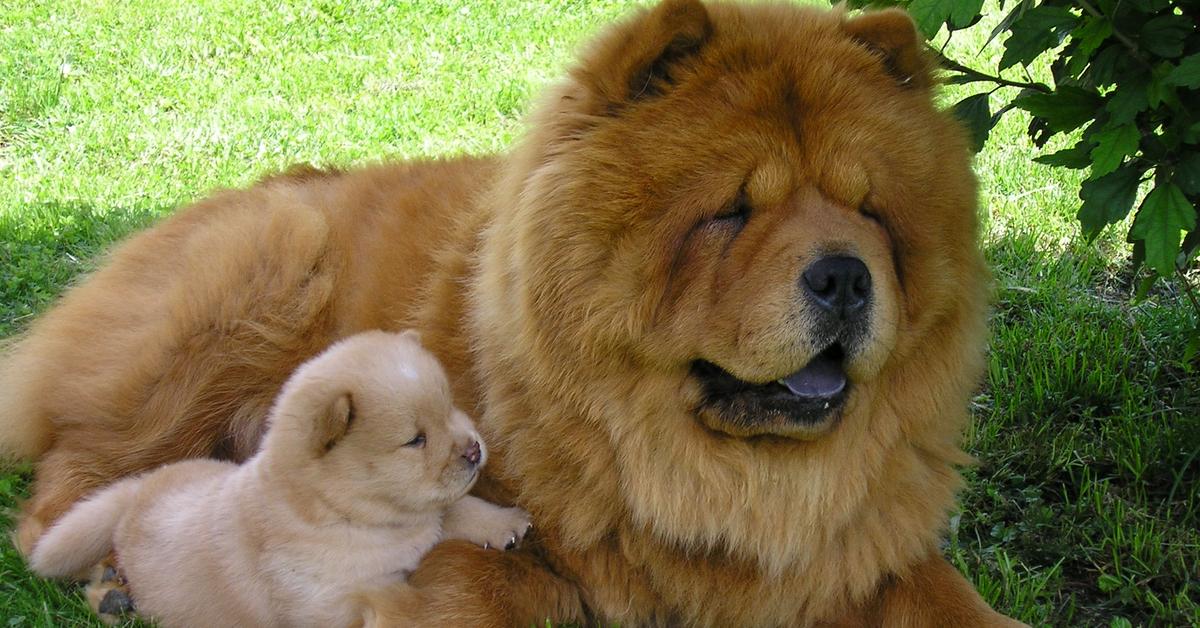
892, 34
332, 424
641, 59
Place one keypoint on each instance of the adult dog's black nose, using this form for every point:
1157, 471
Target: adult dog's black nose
840, 285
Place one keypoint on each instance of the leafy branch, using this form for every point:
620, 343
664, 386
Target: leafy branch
970, 75
1125, 85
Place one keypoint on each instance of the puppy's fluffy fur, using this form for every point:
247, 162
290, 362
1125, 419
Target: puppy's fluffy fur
363, 469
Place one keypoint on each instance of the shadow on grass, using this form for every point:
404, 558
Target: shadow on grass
43, 247
1084, 506
1086, 502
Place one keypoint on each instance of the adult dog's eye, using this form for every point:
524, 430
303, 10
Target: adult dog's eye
417, 441
736, 213
871, 214
894, 244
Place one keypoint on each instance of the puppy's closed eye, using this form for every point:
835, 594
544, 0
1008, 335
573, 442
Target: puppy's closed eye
418, 441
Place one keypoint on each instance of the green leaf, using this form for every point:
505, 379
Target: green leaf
1077, 157
1113, 145
1103, 67
1165, 34
1148, 6
1039, 29
1129, 99
1163, 215
1160, 89
1107, 199
930, 15
1091, 35
1187, 174
1008, 20
965, 12
1072, 63
955, 26
1191, 244
1063, 110
1187, 73
974, 113
1153, 148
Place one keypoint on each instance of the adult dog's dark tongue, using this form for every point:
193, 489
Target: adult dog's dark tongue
821, 379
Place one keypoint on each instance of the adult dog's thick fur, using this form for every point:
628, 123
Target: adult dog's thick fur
719, 197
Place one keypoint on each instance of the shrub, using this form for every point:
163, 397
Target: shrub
1127, 73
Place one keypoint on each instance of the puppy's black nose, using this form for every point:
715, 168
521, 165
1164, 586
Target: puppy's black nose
473, 453
840, 285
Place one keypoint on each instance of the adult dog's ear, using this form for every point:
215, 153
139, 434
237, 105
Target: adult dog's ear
642, 58
892, 34
332, 424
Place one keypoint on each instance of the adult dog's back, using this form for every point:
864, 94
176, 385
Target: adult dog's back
175, 347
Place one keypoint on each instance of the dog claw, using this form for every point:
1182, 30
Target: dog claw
487, 545
116, 602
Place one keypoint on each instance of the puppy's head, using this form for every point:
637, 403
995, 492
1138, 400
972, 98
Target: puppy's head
370, 426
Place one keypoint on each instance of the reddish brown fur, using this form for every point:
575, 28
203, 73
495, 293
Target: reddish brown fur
567, 288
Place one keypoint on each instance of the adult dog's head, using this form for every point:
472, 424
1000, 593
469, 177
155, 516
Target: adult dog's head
736, 259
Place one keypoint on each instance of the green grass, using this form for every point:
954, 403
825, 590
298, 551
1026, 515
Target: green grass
1084, 506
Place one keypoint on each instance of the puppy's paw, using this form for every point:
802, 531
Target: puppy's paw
503, 528
484, 523
108, 593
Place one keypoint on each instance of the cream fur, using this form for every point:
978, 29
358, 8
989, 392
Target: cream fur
335, 503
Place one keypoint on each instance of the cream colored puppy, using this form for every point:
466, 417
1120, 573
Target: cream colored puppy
364, 467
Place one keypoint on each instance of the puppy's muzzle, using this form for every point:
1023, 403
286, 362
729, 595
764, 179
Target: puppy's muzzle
473, 454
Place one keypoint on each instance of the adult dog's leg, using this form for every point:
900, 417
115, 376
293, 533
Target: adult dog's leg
462, 584
175, 347
933, 594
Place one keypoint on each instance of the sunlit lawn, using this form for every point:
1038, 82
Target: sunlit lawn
1084, 505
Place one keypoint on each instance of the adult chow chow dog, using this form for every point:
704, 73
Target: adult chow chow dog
720, 314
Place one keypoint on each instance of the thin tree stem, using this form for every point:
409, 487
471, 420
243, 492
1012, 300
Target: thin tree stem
954, 66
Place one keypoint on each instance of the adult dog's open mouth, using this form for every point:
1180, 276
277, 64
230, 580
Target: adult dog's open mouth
806, 401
